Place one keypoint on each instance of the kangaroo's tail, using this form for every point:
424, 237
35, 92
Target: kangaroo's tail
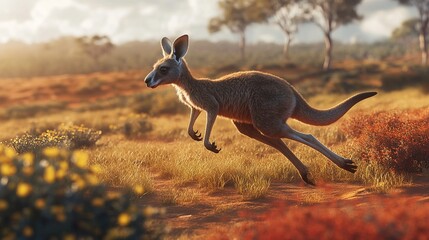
307, 114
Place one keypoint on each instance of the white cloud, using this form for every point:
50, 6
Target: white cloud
125, 20
16, 10
381, 23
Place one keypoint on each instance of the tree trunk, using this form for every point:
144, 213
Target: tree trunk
286, 45
242, 45
423, 46
328, 52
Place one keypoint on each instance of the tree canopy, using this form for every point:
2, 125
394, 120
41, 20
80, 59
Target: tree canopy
408, 28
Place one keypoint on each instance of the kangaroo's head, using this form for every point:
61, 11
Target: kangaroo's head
168, 69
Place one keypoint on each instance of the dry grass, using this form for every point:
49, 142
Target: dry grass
243, 162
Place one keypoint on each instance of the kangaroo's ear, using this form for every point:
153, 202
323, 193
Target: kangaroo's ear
166, 46
180, 47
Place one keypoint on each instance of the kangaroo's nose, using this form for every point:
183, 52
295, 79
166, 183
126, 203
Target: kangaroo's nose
149, 77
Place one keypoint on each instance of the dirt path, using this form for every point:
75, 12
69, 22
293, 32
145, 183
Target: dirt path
214, 211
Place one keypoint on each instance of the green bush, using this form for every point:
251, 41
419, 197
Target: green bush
55, 194
135, 125
65, 136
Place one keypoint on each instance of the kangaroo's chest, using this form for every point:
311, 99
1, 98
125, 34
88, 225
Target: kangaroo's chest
186, 99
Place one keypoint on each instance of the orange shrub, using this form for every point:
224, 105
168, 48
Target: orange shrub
380, 219
398, 140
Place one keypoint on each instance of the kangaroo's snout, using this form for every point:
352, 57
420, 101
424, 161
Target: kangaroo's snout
149, 80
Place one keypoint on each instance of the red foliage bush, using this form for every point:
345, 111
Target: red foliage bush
398, 140
379, 219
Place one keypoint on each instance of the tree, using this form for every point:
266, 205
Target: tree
328, 15
238, 15
423, 10
95, 46
287, 17
408, 28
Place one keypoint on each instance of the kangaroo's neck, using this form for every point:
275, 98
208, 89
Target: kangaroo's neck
186, 81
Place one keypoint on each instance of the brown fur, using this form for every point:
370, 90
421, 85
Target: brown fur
258, 104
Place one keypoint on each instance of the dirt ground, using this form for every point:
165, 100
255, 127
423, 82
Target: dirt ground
223, 209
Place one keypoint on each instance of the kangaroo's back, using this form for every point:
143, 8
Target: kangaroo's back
243, 93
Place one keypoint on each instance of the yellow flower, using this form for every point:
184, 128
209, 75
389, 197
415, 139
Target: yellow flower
61, 173
23, 189
3, 205
57, 209
9, 152
8, 169
27, 231
92, 179
96, 169
149, 211
124, 219
51, 152
28, 159
97, 202
69, 237
64, 165
28, 170
49, 175
40, 203
138, 189
79, 183
80, 158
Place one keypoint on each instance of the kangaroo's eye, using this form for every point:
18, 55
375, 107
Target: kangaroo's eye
163, 70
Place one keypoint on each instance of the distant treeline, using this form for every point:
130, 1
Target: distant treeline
65, 55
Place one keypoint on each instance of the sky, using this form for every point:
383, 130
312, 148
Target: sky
128, 20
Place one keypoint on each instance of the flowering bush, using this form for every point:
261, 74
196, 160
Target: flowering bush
54, 193
398, 140
378, 219
65, 136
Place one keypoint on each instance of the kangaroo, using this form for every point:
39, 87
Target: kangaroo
257, 103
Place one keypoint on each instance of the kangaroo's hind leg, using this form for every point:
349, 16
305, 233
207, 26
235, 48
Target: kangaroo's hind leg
250, 131
282, 130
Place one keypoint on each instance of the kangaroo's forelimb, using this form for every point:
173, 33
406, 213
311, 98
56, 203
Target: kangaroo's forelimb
211, 118
194, 134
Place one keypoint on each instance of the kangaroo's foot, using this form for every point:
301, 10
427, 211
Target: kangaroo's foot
349, 165
212, 147
307, 178
195, 135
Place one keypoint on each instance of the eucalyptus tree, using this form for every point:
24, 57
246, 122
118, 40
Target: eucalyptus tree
329, 15
423, 10
238, 15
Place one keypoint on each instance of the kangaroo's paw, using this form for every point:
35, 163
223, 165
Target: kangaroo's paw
195, 135
212, 147
349, 165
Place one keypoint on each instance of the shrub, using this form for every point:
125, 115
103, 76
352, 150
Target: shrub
414, 77
382, 219
136, 125
396, 139
55, 194
65, 136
